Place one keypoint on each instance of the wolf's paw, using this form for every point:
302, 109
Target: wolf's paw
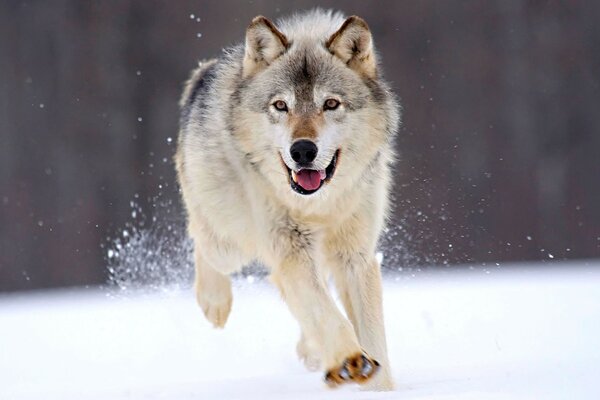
215, 301
216, 313
358, 368
308, 354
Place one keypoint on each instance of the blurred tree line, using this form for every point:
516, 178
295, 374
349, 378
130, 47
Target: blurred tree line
499, 149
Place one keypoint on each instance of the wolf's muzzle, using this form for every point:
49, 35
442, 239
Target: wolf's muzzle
303, 152
306, 180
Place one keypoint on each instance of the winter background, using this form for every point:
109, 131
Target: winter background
491, 260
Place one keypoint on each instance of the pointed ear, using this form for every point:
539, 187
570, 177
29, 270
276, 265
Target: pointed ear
264, 43
353, 44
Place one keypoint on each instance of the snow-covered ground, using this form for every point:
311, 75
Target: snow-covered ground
527, 332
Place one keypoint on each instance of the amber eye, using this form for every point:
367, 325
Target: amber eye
280, 105
331, 104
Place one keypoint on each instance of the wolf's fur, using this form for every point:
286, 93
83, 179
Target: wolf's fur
231, 162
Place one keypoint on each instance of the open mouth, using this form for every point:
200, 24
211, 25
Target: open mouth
308, 181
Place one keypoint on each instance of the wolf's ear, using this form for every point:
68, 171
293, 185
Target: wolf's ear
353, 44
264, 43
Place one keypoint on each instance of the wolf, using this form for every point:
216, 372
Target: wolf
284, 156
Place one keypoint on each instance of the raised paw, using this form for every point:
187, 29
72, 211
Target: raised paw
358, 368
215, 299
216, 312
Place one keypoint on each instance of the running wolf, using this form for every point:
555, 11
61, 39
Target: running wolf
284, 156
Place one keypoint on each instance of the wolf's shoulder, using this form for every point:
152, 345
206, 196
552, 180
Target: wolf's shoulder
211, 79
199, 79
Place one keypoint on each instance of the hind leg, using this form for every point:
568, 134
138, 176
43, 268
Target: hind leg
308, 352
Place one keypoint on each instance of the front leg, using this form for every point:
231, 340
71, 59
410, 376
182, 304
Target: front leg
359, 284
305, 292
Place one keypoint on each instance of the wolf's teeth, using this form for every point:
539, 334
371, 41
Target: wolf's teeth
294, 176
322, 174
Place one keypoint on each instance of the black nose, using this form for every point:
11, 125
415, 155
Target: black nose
303, 151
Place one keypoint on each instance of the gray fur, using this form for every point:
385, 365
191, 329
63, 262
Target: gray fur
235, 171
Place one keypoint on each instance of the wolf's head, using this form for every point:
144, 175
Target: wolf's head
313, 112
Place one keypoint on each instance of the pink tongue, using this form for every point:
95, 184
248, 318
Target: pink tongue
309, 179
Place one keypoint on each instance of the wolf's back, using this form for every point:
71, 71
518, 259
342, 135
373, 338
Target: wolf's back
196, 82
194, 92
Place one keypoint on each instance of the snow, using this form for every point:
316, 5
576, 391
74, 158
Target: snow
519, 332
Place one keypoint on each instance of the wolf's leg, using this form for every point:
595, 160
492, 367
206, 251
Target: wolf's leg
307, 297
359, 286
308, 352
213, 290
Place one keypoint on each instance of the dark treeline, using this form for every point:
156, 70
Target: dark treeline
499, 149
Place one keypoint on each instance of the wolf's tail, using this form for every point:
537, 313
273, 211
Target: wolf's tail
195, 82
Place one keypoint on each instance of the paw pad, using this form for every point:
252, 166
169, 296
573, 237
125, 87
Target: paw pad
358, 368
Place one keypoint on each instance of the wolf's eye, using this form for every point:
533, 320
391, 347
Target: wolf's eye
331, 104
280, 106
